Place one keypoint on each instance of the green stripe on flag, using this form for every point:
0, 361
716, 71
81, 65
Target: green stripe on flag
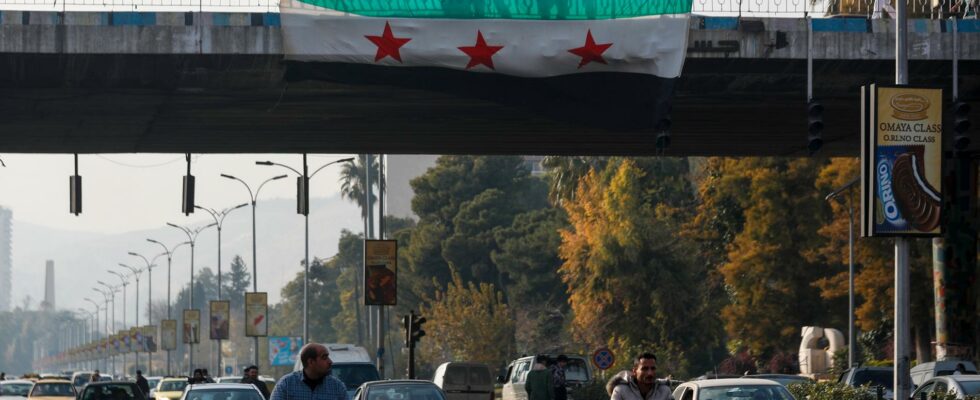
507, 9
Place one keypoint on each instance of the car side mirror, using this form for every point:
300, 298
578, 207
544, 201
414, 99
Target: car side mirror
501, 379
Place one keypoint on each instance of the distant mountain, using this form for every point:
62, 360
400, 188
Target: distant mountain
81, 258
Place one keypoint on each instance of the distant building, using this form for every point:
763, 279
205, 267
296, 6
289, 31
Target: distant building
6, 263
48, 303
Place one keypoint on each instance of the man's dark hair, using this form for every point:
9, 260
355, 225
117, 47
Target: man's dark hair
139, 372
250, 367
541, 359
309, 352
561, 357
643, 356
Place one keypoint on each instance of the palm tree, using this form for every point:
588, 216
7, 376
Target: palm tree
352, 180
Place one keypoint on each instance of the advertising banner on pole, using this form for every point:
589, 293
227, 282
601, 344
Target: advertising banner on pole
256, 314
192, 326
150, 339
168, 334
283, 350
136, 334
114, 345
380, 272
220, 310
125, 342
902, 161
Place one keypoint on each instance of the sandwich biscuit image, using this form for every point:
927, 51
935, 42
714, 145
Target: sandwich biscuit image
918, 202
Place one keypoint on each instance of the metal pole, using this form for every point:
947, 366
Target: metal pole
149, 313
809, 58
939, 298
306, 274
255, 280
851, 338
190, 346
169, 264
381, 235
219, 296
136, 310
901, 357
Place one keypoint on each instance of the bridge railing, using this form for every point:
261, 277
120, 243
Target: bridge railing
743, 8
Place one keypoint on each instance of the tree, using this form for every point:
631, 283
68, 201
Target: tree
564, 173
353, 186
467, 321
631, 282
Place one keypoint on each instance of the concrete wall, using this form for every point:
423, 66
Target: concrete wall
258, 33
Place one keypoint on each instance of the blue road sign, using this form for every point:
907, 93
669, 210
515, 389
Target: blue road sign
603, 358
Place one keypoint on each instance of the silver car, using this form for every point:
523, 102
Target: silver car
399, 390
222, 391
961, 385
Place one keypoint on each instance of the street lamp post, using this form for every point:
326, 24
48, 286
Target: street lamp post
191, 238
136, 308
109, 293
851, 345
169, 253
149, 302
305, 177
124, 284
219, 220
255, 276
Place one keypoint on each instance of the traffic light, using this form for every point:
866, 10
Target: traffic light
961, 125
663, 131
303, 195
407, 325
814, 112
415, 327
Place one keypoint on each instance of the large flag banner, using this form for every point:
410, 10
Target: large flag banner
283, 350
168, 334
547, 39
381, 272
256, 314
192, 326
220, 310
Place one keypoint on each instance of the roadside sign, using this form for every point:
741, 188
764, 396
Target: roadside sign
603, 358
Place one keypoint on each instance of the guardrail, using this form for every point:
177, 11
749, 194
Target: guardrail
745, 8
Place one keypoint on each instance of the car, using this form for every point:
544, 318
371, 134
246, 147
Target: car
222, 391
269, 382
464, 381
170, 388
732, 389
112, 391
17, 388
52, 389
872, 377
152, 382
351, 364
782, 379
928, 370
80, 379
577, 373
960, 385
407, 389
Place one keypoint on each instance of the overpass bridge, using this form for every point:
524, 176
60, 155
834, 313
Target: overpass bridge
216, 82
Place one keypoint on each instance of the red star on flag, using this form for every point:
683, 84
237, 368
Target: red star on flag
591, 51
481, 53
388, 44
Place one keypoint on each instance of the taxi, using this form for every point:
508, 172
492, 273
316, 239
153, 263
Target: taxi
52, 389
170, 389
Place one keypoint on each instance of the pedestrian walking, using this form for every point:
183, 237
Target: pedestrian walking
558, 377
642, 383
142, 383
314, 381
196, 378
252, 376
538, 384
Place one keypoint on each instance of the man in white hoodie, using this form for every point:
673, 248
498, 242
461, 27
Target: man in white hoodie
642, 384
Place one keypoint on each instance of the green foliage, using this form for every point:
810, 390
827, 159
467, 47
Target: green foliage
828, 391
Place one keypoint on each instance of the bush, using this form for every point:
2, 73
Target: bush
828, 391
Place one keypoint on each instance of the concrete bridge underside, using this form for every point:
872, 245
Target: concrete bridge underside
233, 103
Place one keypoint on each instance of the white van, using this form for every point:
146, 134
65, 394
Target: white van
464, 381
928, 370
351, 364
578, 372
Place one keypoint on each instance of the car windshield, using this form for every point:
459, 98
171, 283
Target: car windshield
117, 391
396, 391
224, 394
81, 380
881, 378
576, 370
970, 388
172, 386
745, 392
353, 375
15, 389
786, 380
53, 389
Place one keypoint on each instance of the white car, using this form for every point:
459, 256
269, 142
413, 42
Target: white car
732, 389
15, 389
961, 385
222, 391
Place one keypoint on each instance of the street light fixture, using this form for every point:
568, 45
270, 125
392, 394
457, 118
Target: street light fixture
149, 302
169, 252
191, 238
303, 207
136, 308
851, 347
253, 197
219, 220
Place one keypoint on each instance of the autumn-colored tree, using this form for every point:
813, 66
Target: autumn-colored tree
467, 321
631, 280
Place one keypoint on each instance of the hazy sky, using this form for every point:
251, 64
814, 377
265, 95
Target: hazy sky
124, 192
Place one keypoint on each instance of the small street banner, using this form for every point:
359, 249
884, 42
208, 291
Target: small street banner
168, 334
283, 350
380, 272
136, 334
512, 51
127, 342
256, 314
220, 317
192, 326
901, 159
150, 339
